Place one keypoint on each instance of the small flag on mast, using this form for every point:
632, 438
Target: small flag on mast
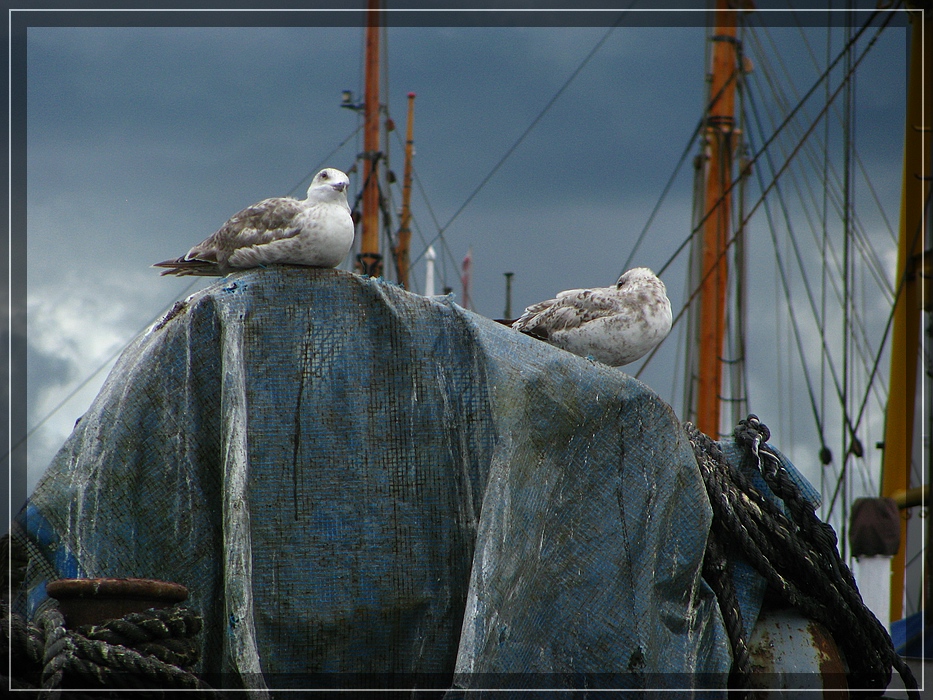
466, 278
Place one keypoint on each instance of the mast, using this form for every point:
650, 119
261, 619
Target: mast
905, 339
404, 230
714, 266
369, 259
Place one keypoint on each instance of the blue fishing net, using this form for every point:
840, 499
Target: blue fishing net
358, 482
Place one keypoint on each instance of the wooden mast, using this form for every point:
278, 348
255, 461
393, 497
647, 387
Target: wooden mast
905, 339
714, 264
404, 230
369, 259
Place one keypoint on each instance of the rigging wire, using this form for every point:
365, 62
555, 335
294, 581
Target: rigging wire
887, 329
819, 146
532, 125
858, 158
786, 288
861, 350
777, 175
809, 293
874, 263
790, 116
825, 452
848, 125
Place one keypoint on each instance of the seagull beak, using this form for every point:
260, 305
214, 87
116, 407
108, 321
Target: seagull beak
340, 186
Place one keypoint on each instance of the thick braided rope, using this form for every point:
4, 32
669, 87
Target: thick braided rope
778, 553
716, 573
797, 556
57, 650
166, 634
94, 656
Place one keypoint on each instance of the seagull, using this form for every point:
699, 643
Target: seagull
316, 231
614, 325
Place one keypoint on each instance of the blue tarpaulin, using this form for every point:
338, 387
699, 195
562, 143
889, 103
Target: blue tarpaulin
353, 479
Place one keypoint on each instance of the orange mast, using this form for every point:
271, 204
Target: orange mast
404, 230
714, 266
905, 338
369, 259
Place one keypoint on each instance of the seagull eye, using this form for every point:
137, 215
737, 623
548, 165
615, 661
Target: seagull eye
324, 175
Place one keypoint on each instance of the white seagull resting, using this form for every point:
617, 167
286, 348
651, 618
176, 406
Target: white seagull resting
316, 231
614, 325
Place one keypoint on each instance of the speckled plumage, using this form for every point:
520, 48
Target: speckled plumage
614, 325
316, 231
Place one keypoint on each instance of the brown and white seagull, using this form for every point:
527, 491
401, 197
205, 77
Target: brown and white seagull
316, 231
614, 325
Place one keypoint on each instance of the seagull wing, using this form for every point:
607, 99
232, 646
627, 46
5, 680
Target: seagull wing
270, 220
570, 309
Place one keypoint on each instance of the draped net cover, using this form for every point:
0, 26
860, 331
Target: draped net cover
353, 479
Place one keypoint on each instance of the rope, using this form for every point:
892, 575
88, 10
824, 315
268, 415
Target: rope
795, 553
154, 649
715, 572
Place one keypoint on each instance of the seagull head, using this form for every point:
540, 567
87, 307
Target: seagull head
637, 274
328, 180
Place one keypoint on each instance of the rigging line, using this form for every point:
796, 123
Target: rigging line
440, 235
667, 187
865, 246
813, 308
790, 308
887, 329
324, 160
97, 371
798, 256
788, 119
824, 268
538, 118
848, 125
858, 158
765, 193
683, 156
773, 136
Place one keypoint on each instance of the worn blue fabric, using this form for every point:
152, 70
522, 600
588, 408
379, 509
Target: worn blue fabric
351, 479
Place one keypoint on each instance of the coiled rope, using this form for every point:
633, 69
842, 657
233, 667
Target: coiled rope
154, 649
796, 555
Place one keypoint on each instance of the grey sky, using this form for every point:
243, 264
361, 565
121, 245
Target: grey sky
142, 141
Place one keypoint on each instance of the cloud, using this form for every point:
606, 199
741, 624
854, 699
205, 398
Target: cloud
74, 332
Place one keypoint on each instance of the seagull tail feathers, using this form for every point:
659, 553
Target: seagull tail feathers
181, 267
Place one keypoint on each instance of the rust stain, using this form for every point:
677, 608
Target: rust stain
832, 668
